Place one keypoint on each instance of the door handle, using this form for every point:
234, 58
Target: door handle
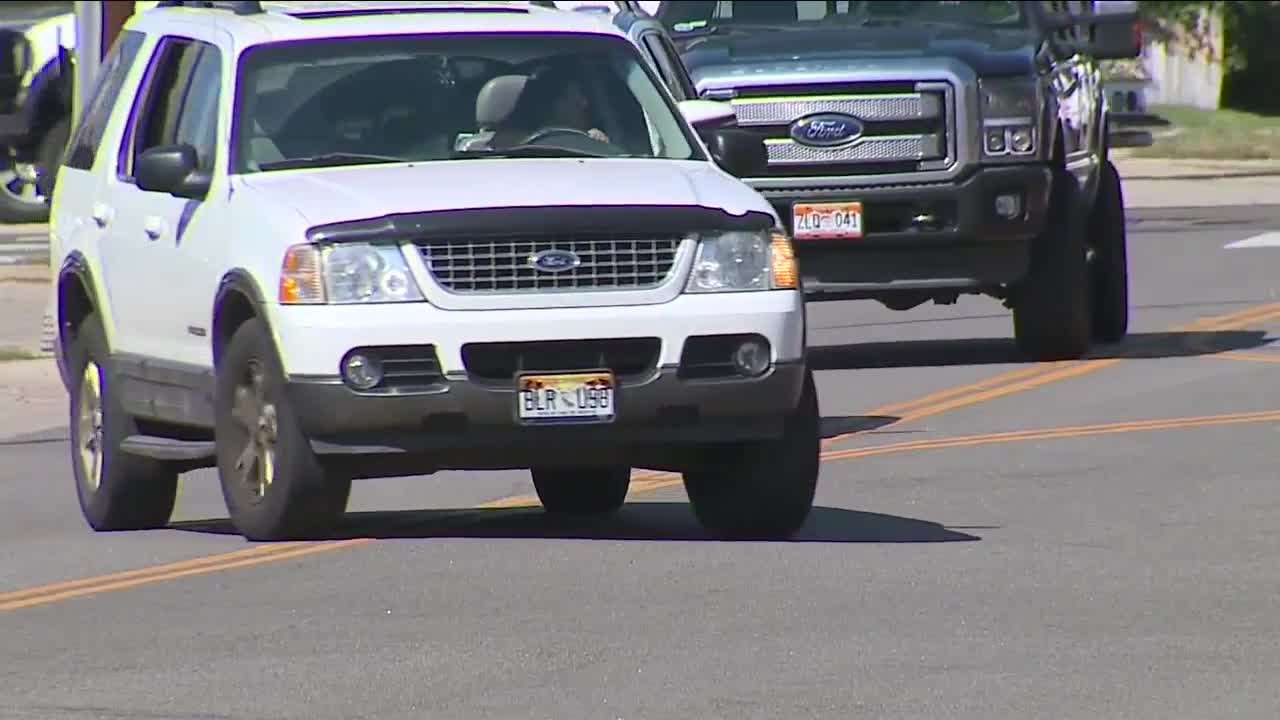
154, 227
101, 214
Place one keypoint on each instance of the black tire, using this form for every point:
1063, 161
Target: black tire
15, 208
582, 491
763, 490
126, 492
300, 500
1051, 312
1109, 268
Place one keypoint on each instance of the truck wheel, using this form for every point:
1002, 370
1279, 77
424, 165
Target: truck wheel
117, 491
582, 491
763, 490
1051, 312
20, 199
1109, 267
274, 486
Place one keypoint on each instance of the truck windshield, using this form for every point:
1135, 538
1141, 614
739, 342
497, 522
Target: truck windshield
685, 17
377, 99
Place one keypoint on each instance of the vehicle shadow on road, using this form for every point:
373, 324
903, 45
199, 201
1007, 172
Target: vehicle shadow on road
637, 521
837, 426
1003, 351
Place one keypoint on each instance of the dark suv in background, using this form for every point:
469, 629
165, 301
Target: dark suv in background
923, 150
35, 101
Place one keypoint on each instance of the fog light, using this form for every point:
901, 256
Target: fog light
361, 371
1008, 206
1020, 139
995, 141
751, 358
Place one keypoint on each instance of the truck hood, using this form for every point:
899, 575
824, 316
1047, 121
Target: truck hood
777, 50
340, 194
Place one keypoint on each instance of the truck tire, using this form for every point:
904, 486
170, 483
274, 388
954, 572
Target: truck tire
274, 486
20, 200
762, 490
1051, 312
1109, 267
116, 490
582, 491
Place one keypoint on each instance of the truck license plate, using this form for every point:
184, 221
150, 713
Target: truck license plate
826, 221
586, 397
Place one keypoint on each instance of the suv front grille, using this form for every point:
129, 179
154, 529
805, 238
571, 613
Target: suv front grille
605, 261
907, 127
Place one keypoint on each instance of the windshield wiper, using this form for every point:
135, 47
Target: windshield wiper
329, 159
526, 151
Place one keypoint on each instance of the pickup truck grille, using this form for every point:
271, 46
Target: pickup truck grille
605, 261
907, 127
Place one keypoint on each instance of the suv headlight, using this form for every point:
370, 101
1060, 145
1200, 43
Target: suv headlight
739, 261
1010, 107
346, 273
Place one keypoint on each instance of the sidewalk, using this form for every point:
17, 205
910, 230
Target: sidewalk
1155, 183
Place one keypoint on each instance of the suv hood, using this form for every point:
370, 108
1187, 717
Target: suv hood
987, 51
340, 194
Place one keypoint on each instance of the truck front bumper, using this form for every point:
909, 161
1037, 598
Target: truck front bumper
923, 238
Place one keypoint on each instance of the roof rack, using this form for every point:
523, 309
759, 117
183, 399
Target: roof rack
239, 7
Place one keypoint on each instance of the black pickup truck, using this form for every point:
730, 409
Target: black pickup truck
922, 150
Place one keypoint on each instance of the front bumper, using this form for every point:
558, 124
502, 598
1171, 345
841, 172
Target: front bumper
469, 425
454, 392
968, 246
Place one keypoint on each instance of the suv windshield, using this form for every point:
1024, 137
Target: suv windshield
445, 97
683, 17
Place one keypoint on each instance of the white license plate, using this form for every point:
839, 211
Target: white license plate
826, 221
586, 397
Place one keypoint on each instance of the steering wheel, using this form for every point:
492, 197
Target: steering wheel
545, 133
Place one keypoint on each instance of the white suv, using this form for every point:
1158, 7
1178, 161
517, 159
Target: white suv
306, 243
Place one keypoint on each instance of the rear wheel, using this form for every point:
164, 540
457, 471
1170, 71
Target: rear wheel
117, 491
763, 490
582, 491
1051, 312
274, 485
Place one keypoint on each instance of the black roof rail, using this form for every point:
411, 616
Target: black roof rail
239, 7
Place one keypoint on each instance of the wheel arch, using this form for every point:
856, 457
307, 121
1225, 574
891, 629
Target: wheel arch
238, 300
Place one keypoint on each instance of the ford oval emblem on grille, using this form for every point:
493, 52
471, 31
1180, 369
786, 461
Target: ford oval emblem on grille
826, 129
554, 261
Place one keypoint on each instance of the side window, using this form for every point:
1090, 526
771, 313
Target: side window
84, 144
179, 103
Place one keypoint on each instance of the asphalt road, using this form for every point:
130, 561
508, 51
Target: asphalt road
995, 540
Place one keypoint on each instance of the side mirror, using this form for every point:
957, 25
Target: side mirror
171, 169
1119, 38
741, 153
1116, 30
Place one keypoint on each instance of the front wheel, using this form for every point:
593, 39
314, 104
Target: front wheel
1109, 266
274, 486
1051, 312
764, 490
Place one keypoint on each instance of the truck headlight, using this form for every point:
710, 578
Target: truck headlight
738, 261
346, 273
1010, 107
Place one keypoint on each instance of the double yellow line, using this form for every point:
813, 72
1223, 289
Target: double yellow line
647, 482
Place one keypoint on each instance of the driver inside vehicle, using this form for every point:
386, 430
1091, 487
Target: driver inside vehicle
553, 98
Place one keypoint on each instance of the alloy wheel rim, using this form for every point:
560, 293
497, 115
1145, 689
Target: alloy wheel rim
89, 425
257, 417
